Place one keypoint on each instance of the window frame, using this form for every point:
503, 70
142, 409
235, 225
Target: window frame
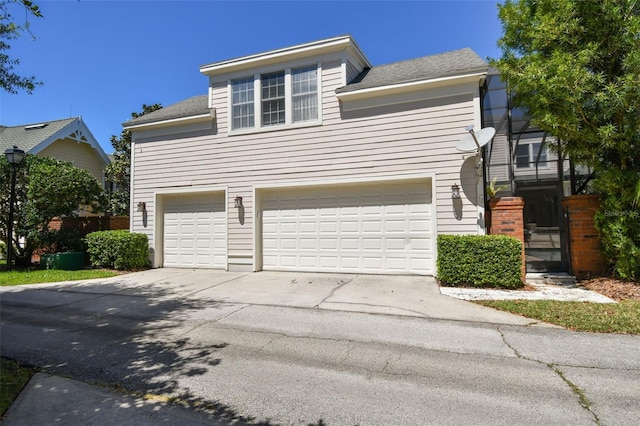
258, 125
531, 155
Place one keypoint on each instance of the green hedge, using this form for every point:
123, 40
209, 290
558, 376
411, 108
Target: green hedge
480, 261
118, 249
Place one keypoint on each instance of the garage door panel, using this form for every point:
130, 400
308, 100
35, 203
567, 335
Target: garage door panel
381, 228
195, 230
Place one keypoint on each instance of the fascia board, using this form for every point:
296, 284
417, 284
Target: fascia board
283, 55
409, 87
172, 122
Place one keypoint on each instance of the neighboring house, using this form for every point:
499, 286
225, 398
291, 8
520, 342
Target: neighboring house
309, 158
68, 139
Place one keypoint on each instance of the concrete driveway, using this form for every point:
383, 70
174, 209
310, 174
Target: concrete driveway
417, 296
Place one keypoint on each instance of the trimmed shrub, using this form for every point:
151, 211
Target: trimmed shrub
480, 261
118, 249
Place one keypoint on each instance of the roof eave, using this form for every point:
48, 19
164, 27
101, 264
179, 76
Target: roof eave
65, 131
198, 118
411, 86
335, 44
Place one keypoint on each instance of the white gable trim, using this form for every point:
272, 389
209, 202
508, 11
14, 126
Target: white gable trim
77, 125
313, 49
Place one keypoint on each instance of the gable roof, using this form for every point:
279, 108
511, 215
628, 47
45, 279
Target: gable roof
448, 64
197, 105
33, 138
343, 43
29, 136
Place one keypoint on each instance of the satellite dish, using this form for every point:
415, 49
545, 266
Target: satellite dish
475, 140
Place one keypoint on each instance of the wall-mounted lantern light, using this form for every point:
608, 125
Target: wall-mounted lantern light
238, 202
455, 191
142, 206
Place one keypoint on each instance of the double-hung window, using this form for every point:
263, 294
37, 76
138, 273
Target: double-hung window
242, 103
273, 98
304, 82
283, 97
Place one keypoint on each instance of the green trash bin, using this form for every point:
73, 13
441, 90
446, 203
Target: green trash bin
67, 261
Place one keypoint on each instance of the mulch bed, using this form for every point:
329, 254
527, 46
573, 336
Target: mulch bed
613, 288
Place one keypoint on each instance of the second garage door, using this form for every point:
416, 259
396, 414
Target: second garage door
195, 230
382, 228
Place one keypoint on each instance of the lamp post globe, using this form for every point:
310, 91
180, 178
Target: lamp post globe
14, 157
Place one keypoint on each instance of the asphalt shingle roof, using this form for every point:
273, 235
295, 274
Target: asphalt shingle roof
193, 106
28, 136
453, 63
446, 64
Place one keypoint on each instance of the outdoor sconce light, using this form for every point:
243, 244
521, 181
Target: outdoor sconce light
142, 206
455, 191
238, 202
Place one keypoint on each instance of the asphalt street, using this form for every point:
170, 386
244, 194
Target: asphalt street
282, 364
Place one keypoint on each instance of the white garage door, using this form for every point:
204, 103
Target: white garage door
195, 231
367, 228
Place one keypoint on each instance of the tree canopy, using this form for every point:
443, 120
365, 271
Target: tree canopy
119, 171
10, 29
574, 67
45, 188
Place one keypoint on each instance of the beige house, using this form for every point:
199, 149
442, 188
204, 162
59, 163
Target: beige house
308, 158
68, 139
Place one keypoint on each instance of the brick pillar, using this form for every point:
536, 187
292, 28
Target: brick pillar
584, 242
507, 219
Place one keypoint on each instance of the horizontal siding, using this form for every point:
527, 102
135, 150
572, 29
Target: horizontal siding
383, 142
81, 155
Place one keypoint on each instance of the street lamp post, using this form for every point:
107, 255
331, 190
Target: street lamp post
14, 157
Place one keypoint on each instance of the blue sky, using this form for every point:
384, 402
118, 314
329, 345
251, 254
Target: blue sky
104, 59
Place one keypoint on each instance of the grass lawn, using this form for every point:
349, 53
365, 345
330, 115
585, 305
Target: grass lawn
623, 317
36, 276
13, 378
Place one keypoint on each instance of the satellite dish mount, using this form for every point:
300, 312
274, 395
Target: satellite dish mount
475, 140
473, 143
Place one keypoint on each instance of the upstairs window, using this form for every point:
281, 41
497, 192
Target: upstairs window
273, 103
281, 98
242, 103
304, 83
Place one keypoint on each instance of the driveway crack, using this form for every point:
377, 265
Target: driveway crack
584, 402
341, 284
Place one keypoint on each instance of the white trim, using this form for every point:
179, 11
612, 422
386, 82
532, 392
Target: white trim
172, 121
287, 54
132, 162
257, 231
288, 98
274, 128
257, 227
158, 221
320, 95
434, 224
343, 70
65, 132
345, 181
408, 87
477, 121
